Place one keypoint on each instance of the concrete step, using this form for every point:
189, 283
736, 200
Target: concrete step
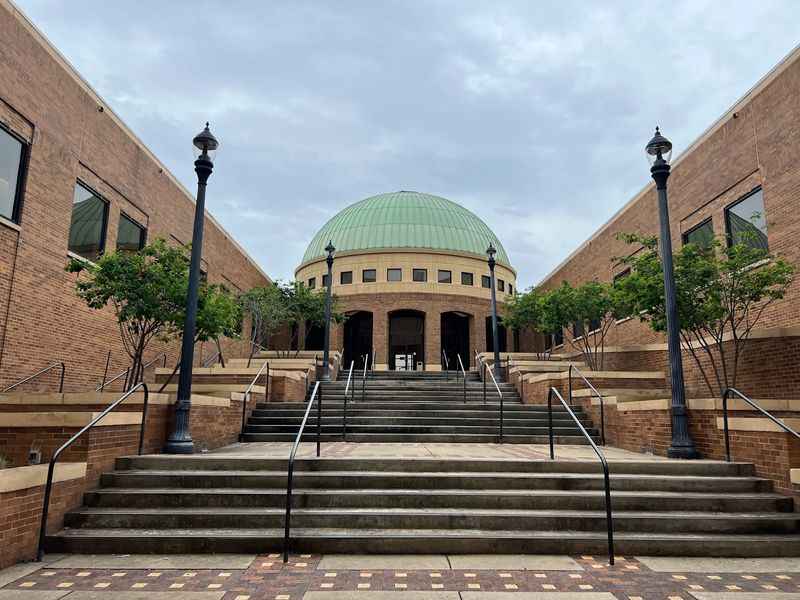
442, 541
420, 438
648, 501
419, 428
334, 480
367, 418
436, 518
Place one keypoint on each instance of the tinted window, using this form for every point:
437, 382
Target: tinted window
11, 153
510, 289
466, 279
394, 275
346, 277
325, 280
419, 275
130, 235
577, 329
501, 285
87, 231
701, 235
558, 338
486, 281
746, 221
312, 283
445, 276
368, 276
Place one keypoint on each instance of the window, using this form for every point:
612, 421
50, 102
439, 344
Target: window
419, 275
130, 235
394, 274
548, 342
700, 235
594, 325
12, 161
501, 285
346, 277
466, 279
312, 283
577, 330
510, 289
486, 281
203, 275
87, 231
445, 276
325, 280
558, 338
746, 222
368, 276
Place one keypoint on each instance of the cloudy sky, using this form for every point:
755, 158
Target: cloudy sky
532, 114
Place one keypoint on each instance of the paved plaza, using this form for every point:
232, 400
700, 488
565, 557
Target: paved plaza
431, 577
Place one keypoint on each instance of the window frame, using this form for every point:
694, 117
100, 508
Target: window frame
324, 280
415, 271
342, 278
471, 278
312, 283
390, 269
22, 175
486, 282
685, 235
510, 289
726, 212
449, 276
501, 285
104, 228
374, 276
142, 228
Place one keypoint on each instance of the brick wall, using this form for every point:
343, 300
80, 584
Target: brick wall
70, 138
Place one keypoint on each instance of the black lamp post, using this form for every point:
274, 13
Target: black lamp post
180, 440
659, 151
490, 251
326, 374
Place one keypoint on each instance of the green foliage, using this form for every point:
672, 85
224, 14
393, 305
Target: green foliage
219, 314
721, 293
523, 311
593, 306
267, 312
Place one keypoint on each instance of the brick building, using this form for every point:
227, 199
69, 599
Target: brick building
412, 277
75, 181
742, 164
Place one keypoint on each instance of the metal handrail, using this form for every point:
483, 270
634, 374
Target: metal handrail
372, 364
446, 365
725, 394
346, 388
486, 369
35, 375
463, 376
246, 398
600, 455
51, 468
211, 359
599, 396
364, 377
290, 471
127, 371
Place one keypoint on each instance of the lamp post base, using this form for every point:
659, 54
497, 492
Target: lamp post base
179, 447
685, 452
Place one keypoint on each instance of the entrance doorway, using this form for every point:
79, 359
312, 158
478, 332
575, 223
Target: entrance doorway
455, 339
357, 338
501, 334
315, 336
406, 340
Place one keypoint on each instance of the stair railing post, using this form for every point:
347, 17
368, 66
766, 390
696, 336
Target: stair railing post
61, 382
483, 376
501, 418
319, 420
725, 424
570, 385
550, 422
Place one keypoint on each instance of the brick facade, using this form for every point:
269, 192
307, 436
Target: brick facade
72, 135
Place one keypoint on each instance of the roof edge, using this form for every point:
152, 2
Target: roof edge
107, 109
757, 88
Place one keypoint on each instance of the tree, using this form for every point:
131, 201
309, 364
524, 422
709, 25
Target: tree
307, 306
267, 312
721, 293
590, 309
219, 315
524, 311
146, 289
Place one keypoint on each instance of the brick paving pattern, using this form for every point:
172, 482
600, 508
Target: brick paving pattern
268, 578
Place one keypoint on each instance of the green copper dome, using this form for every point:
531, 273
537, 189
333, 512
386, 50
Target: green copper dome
405, 220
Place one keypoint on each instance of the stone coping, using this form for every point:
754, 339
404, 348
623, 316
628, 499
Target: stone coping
794, 476
22, 478
66, 419
757, 424
632, 403
233, 370
534, 378
80, 398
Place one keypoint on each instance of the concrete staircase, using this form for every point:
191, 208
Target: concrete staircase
416, 407
207, 503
